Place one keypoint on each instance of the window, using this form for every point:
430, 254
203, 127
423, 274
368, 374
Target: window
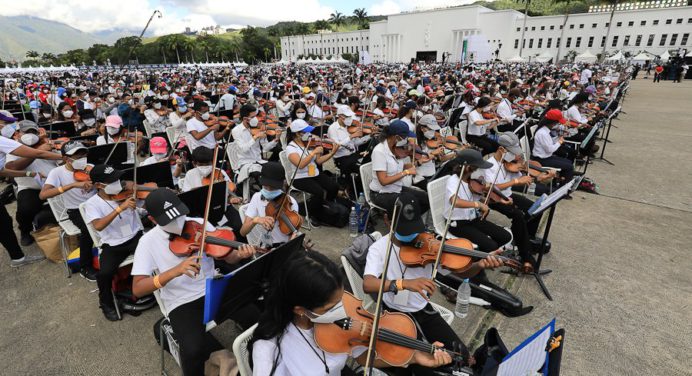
557, 43
650, 42
523, 43
550, 41
540, 43
526, 28
553, 27
643, 23
590, 41
607, 24
669, 21
618, 24
571, 26
578, 42
516, 44
689, 20
673, 39
561, 27
615, 41
655, 22
518, 29
663, 40
581, 26
593, 26
542, 28
638, 42
679, 21
569, 42
531, 43
631, 23
603, 40
533, 28
626, 42
684, 39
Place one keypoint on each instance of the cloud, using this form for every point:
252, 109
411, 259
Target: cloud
387, 7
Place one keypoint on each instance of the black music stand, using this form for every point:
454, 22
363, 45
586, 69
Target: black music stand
584, 143
60, 129
197, 198
606, 141
159, 173
99, 154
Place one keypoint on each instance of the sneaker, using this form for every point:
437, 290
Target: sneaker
89, 274
537, 242
26, 260
26, 239
314, 223
110, 313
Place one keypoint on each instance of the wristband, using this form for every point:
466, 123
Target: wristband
475, 204
118, 209
157, 283
405, 172
28, 174
516, 181
400, 284
61, 190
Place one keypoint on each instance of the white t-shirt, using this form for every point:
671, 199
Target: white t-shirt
249, 149
123, 227
152, 160
257, 208
384, 160
153, 253
543, 144
341, 136
374, 266
60, 177
502, 177
298, 355
193, 179
585, 76
43, 166
6, 147
310, 170
473, 129
574, 114
195, 125
504, 110
411, 126
157, 122
464, 193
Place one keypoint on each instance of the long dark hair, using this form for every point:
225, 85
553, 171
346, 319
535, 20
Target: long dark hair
308, 280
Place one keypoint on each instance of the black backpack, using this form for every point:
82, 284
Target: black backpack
333, 214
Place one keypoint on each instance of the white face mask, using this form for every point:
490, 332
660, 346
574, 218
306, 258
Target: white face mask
8, 130
508, 157
113, 188
305, 136
89, 122
487, 109
285, 98
348, 121
430, 134
205, 116
254, 122
157, 105
204, 170
300, 115
165, 96
131, 102
112, 131
111, 100
29, 139
68, 114
335, 313
402, 142
79, 164
159, 156
175, 226
46, 115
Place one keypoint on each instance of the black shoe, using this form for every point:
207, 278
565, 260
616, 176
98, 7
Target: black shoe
89, 274
314, 223
110, 313
26, 239
536, 245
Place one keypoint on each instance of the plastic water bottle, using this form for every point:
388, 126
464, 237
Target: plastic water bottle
463, 299
532, 188
363, 214
353, 222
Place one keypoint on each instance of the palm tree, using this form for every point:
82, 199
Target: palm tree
320, 25
336, 18
523, 28
31, 54
564, 24
361, 15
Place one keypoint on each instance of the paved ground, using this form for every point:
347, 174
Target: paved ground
621, 281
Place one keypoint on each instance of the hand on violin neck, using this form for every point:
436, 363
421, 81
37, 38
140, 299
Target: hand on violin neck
129, 203
244, 252
266, 222
189, 267
437, 359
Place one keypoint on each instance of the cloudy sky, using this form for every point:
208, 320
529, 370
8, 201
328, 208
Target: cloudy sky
92, 16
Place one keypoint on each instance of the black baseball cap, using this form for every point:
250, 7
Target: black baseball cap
472, 157
272, 175
165, 206
104, 174
410, 219
71, 147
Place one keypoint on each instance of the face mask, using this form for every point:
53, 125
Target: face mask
508, 157
205, 116
112, 131
131, 102
285, 99
429, 134
29, 139
334, 314
254, 122
402, 142
406, 238
68, 114
111, 100
270, 195
8, 130
159, 156
175, 226
300, 115
348, 121
113, 188
79, 164
305, 136
182, 109
89, 122
157, 105
204, 170
165, 96
46, 115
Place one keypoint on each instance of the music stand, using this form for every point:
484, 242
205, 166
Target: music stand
584, 143
98, 154
226, 294
196, 199
159, 173
606, 141
548, 203
60, 129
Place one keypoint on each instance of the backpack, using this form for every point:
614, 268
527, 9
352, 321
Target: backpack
333, 214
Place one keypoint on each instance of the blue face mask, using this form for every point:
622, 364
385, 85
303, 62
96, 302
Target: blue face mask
270, 195
406, 238
8, 130
182, 108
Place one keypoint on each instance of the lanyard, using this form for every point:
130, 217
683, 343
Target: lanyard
322, 358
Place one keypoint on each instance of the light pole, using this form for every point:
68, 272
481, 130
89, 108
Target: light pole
156, 12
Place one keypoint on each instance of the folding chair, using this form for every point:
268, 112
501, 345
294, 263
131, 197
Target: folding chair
436, 195
173, 346
253, 237
67, 228
232, 152
173, 135
365, 178
147, 128
241, 353
289, 168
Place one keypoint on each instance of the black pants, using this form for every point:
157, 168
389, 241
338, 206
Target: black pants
110, 259
321, 188
349, 165
486, 235
387, 200
234, 222
523, 229
30, 208
195, 343
9, 238
435, 328
657, 77
86, 259
487, 145
565, 166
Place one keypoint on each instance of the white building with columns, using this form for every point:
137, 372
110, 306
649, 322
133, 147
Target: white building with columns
428, 34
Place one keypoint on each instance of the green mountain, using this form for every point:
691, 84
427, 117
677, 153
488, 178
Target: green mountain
20, 34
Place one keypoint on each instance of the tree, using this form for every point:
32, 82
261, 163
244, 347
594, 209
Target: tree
336, 18
523, 28
321, 25
31, 54
126, 47
173, 42
49, 58
361, 15
614, 4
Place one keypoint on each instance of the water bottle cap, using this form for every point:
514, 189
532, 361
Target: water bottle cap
466, 280
353, 208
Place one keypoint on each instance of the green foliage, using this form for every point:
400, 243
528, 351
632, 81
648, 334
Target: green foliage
542, 7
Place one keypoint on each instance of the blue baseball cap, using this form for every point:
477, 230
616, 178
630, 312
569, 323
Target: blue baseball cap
300, 125
399, 128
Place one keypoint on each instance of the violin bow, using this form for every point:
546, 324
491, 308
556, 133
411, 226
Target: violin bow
290, 184
490, 189
134, 183
207, 208
396, 213
448, 222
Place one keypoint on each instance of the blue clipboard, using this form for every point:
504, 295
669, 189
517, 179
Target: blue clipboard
531, 340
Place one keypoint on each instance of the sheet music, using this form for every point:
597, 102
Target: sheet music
553, 197
529, 357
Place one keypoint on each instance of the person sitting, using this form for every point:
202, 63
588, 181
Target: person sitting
182, 280
545, 144
116, 132
157, 116
249, 142
198, 133
347, 157
159, 153
478, 127
61, 181
118, 227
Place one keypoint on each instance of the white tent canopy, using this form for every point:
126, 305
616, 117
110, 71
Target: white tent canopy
665, 56
516, 59
644, 56
585, 57
617, 57
545, 57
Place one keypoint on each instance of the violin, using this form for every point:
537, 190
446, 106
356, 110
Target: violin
269, 127
143, 191
396, 336
224, 121
449, 142
457, 254
356, 126
535, 169
218, 176
280, 209
488, 115
82, 175
479, 188
218, 243
324, 143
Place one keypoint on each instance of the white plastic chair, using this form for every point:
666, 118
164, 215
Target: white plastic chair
463, 126
174, 347
232, 152
436, 195
67, 228
366, 177
241, 352
356, 282
174, 134
253, 237
147, 128
289, 168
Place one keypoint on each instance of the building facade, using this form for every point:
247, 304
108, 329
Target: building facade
432, 34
